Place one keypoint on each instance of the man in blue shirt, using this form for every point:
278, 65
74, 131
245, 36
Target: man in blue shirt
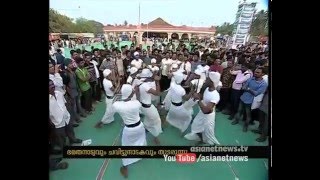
252, 88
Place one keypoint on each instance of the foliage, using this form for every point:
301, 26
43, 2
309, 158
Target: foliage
62, 24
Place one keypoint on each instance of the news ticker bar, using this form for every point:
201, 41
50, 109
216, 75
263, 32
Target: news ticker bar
160, 151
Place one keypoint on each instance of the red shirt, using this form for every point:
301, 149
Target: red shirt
216, 68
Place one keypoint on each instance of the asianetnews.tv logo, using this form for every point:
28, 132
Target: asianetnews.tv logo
192, 158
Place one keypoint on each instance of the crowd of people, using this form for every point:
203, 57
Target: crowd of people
150, 88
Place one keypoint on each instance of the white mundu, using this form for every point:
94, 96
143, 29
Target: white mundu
178, 116
167, 98
133, 133
151, 120
205, 123
154, 98
108, 116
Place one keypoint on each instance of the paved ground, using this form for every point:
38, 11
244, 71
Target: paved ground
156, 169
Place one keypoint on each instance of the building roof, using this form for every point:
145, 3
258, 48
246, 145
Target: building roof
160, 24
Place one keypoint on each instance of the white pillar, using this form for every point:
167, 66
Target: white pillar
169, 35
189, 36
140, 38
131, 34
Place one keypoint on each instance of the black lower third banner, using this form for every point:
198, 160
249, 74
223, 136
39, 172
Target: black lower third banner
162, 151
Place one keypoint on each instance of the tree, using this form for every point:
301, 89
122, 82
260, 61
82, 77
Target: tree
259, 25
60, 23
125, 23
225, 29
64, 24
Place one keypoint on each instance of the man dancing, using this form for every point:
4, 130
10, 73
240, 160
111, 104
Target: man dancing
133, 133
202, 128
152, 119
110, 90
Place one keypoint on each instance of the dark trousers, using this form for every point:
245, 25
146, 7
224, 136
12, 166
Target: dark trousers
79, 109
100, 82
69, 106
86, 100
98, 91
235, 100
263, 123
224, 98
164, 83
62, 133
244, 109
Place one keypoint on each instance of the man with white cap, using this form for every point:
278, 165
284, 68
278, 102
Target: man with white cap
202, 128
196, 86
136, 62
152, 119
178, 116
155, 69
110, 91
133, 79
172, 72
165, 67
133, 133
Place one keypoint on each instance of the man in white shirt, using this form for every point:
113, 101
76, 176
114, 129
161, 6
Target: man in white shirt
165, 68
196, 86
97, 91
185, 66
151, 118
110, 91
174, 59
202, 128
136, 62
178, 116
56, 78
60, 117
133, 133
155, 70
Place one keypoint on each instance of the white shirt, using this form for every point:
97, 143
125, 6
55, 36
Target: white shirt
198, 82
129, 111
129, 80
57, 81
175, 61
62, 51
210, 96
265, 78
177, 92
154, 68
200, 54
145, 97
165, 63
107, 84
58, 112
224, 64
205, 71
137, 63
136, 82
95, 68
186, 65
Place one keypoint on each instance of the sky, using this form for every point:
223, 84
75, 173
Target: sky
197, 13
